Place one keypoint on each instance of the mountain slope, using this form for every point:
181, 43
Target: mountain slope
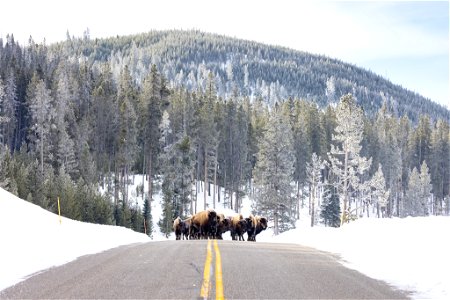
250, 68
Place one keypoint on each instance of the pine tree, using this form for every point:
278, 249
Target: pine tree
440, 164
104, 121
147, 226
273, 173
152, 100
419, 142
330, 209
379, 193
425, 188
125, 143
208, 137
418, 193
313, 171
66, 191
42, 113
346, 162
136, 217
5, 159
8, 108
413, 205
65, 152
3, 118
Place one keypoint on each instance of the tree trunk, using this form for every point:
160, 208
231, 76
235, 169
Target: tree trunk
345, 190
143, 176
298, 201
218, 194
150, 183
42, 152
275, 223
215, 183
231, 197
205, 180
150, 176
313, 201
236, 205
116, 185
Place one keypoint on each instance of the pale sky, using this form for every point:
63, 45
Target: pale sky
406, 42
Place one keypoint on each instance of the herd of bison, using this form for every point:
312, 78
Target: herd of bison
209, 224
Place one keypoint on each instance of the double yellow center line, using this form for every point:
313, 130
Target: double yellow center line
206, 285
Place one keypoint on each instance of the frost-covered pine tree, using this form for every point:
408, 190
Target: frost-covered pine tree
273, 173
379, 194
418, 192
413, 205
425, 187
177, 163
3, 118
8, 107
65, 149
42, 113
313, 171
346, 162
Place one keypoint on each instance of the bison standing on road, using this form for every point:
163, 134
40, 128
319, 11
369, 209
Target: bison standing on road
185, 228
204, 223
254, 226
209, 224
223, 225
238, 227
177, 226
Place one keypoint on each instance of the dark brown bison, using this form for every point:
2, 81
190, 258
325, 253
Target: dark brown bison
254, 226
177, 226
223, 225
238, 227
203, 223
186, 224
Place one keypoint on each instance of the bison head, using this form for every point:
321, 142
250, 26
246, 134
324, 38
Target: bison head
263, 223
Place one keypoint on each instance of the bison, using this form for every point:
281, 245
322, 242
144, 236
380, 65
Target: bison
254, 226
203, 223
186, 224
177, 227
238, 227
223, 225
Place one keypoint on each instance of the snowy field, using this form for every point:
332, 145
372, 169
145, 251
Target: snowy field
411, 254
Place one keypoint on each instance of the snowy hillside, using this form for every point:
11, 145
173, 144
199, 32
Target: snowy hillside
32, 239
411, 254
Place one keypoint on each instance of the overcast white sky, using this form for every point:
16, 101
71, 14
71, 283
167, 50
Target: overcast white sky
406, 42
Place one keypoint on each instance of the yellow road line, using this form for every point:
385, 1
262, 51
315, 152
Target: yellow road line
219, 281
206, 284
207, 273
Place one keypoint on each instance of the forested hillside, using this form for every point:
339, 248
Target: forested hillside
185, 58
85, 114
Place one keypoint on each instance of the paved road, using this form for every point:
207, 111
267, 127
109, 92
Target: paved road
176, 269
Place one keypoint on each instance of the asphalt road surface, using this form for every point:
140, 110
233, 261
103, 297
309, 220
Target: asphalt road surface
203, 269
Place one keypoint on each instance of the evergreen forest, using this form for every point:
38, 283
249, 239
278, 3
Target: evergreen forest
286, 128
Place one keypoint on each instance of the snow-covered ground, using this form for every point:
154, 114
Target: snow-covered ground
412, 253
32, 239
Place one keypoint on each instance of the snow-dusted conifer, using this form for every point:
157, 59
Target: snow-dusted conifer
8, 106
413, 204
42, 113
346, 162
313, 170
65, 152
273, 173
379, 193
418, 192
425, 187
